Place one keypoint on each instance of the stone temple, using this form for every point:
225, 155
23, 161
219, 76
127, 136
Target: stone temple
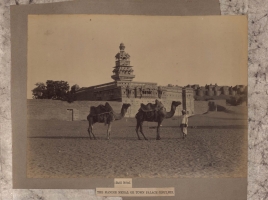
124, 89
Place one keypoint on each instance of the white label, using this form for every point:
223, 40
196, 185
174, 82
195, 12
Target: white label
138, 192
123, 182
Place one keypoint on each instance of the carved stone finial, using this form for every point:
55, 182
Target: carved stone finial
122, 47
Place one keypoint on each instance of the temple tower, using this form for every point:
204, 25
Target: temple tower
122, 70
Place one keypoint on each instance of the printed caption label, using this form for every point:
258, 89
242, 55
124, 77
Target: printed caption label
123, 188
138, 192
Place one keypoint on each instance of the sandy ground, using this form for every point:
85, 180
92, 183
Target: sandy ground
216, 146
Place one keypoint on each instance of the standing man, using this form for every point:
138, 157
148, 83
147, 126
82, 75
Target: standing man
128, 91
184, 123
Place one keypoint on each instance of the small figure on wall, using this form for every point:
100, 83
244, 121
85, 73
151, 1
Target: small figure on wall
184, 124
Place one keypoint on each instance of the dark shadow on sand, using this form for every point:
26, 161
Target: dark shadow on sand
59, 137
206, 127
98, 138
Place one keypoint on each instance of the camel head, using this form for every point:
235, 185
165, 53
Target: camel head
176, 103
126, 106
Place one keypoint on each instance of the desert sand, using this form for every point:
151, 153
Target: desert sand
216, 146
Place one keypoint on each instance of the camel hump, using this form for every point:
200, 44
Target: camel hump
96, 110
108, 107
152, 107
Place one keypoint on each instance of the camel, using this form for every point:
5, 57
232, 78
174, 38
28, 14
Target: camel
154, 113
104, 114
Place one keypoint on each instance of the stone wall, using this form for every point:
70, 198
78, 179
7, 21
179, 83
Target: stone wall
104, 92
46, 109
135, 105
215, 90
201, 107
116, 91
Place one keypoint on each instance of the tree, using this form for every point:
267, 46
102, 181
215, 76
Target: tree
40, 91
74, 88
71, 94
56, 90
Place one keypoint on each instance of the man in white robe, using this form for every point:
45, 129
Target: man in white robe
184, 123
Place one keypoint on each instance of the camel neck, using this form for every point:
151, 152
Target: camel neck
171, 112
119, 116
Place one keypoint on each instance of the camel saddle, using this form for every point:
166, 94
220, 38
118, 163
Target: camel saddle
103, 113
151, 107
100, 109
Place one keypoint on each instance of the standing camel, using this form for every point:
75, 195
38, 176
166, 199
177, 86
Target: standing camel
104, 114
154, 113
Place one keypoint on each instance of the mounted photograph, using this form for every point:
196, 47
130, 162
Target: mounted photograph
132, 96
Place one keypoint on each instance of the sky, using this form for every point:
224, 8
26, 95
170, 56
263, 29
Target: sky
80, 49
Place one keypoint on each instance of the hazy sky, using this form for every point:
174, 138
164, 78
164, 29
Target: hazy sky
80, 49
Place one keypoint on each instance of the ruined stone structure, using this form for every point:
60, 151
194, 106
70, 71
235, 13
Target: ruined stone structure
215, 90
124, 89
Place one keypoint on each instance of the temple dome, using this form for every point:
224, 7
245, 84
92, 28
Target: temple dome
122, 55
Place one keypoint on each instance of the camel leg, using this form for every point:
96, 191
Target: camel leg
137, 130
109, 130
182, 132
93, 133
141, 130
158, 130
89, 130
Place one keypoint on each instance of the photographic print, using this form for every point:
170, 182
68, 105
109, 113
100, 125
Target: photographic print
126, 96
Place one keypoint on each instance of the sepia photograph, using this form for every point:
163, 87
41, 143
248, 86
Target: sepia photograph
128, 96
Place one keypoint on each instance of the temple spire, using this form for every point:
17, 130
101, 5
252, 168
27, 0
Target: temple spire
122, 47
122, 70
